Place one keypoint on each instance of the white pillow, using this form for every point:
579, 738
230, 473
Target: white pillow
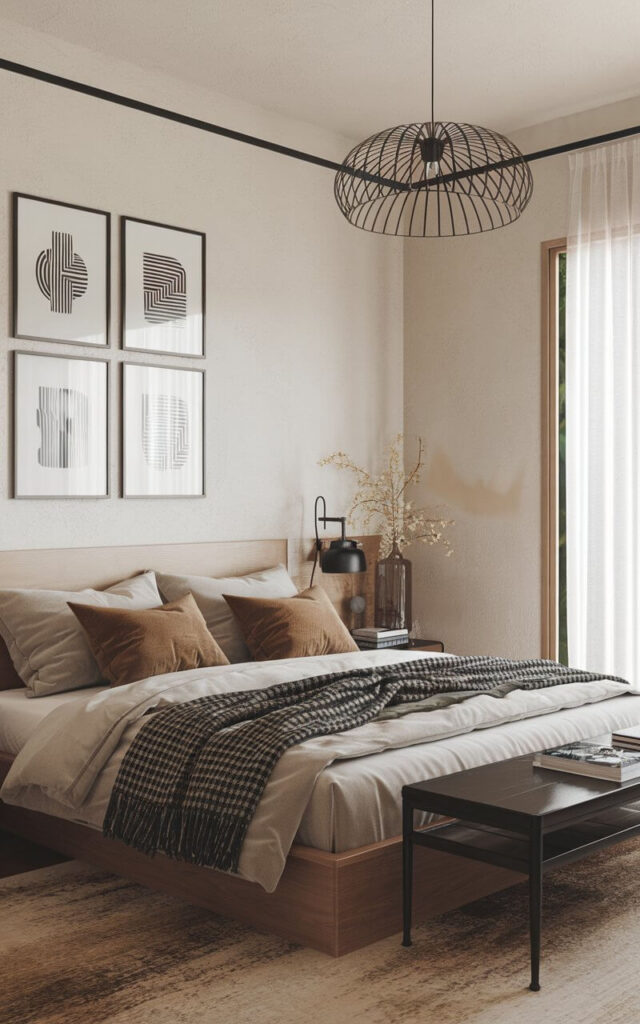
221, 621
46, 642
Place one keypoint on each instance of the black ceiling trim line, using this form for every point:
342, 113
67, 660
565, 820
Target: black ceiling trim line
169, 115
275, 147
173, 115
539, 154
595, 140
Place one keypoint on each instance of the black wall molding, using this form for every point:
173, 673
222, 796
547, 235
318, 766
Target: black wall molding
274, 147
168, 115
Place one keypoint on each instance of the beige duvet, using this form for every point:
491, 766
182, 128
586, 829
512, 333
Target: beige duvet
69, 764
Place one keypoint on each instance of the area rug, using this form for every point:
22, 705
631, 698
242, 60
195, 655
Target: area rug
83, 947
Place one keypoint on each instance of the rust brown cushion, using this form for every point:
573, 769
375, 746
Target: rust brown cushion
9, 678
131, 645
291, 627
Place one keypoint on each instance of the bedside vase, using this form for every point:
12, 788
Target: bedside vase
393, 591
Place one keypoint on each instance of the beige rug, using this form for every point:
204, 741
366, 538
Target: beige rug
81, 946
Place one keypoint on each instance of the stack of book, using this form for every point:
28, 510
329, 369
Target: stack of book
375, 638
627, 739
592, 760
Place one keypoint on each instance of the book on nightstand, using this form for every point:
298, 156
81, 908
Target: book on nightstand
375, 638
591, 760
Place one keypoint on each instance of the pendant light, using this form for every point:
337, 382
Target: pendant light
433, 179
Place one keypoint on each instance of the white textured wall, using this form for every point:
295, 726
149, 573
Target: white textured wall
304, 313
473, 390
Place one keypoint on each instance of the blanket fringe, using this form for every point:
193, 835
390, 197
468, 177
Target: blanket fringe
203, 837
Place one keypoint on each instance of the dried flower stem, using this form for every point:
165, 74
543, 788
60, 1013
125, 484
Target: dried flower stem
381, 500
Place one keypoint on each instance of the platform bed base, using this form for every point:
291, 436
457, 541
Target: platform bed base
333, 902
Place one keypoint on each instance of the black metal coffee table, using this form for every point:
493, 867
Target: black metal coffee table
516, 816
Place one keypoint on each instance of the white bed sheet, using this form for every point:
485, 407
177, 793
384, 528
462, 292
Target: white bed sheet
20, 715
357, 801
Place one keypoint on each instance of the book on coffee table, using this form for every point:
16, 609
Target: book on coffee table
627, 739
591, 760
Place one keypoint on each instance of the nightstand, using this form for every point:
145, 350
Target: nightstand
424, 645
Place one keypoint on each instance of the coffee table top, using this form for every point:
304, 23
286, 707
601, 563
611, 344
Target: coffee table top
517, 788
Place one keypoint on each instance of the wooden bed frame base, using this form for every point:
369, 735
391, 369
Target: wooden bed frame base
333, 902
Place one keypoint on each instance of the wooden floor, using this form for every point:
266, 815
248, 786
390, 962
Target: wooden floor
18, 855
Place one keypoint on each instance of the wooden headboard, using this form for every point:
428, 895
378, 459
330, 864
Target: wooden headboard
100, 567
75, 568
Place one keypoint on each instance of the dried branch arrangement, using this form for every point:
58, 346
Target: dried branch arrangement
381, 502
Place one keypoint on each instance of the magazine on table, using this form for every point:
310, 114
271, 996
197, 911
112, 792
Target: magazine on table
592, 760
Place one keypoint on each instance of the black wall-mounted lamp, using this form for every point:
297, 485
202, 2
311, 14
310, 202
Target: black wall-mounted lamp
342, 555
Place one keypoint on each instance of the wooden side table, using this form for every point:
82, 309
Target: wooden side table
413, 645
424, 645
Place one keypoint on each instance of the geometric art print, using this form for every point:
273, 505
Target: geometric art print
165, 290
61, 426
165, 431
61, 274
162, 431
63, 418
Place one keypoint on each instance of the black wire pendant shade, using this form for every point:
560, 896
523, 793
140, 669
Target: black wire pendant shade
433, 179
387, 185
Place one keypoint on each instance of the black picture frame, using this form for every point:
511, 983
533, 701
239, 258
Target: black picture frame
15, 263
124, 221
124, 367
17, 353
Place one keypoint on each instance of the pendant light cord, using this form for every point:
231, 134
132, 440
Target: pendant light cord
432, 72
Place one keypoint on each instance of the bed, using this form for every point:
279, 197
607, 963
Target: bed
340, 884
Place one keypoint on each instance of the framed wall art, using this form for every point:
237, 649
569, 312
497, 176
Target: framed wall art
61, 426
60, 271
162, 431
163, 288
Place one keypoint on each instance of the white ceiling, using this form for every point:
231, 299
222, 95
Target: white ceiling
357, 66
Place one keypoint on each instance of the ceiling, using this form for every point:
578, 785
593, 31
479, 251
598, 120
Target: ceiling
357, 66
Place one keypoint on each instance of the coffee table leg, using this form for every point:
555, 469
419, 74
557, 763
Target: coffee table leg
407, 870
535, 901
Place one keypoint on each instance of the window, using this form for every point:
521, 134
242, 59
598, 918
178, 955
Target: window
554, 561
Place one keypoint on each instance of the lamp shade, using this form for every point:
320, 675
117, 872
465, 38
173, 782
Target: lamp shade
433, 179
343, 556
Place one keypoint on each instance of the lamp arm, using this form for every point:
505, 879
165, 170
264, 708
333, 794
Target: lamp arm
336, 519
316, 517
324, 519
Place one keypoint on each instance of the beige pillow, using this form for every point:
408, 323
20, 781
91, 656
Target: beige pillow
296, 627
131, 645
46, 642
9, 678
220, 620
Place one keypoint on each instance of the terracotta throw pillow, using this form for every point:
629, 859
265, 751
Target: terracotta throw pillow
291, 627
132, 645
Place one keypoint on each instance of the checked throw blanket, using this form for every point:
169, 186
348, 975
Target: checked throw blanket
191, 780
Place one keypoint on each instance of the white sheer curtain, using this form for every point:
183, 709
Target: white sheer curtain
603, 411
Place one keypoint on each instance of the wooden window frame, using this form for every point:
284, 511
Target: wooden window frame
549, 319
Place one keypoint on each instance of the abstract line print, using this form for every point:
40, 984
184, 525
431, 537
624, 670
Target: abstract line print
164, 281
61, 274
63, 418
166, 441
